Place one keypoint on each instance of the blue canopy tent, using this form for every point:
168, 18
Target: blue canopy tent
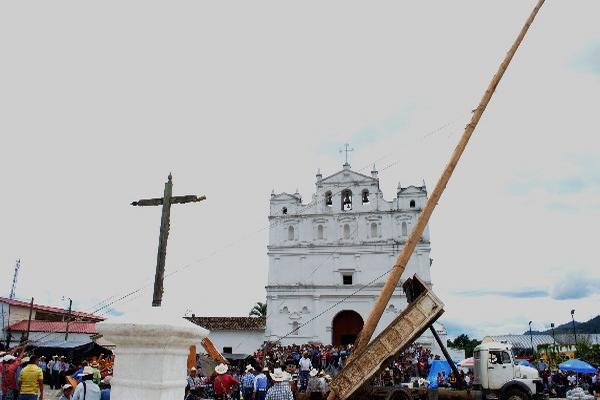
438, 366
575, 365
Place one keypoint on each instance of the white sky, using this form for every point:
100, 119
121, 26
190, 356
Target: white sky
100, 101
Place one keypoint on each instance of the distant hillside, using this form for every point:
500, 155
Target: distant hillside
591, 326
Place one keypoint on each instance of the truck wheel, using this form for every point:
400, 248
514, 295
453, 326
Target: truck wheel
515, 394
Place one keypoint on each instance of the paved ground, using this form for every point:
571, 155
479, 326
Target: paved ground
50, 394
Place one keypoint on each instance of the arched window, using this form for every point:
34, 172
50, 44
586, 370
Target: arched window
328, 199
290, 233
285, 310
346, 231
304, 310
404, 229
295, 328
346, 200
365, 196
284, 210
412, 204
320, 234
374, 232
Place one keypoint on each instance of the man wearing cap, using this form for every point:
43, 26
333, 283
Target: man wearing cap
67, 392
194, 385
281, 388
261, 384
9, 371
248, 383
31, 380
87, 389
305, 368
315, 388
223, 383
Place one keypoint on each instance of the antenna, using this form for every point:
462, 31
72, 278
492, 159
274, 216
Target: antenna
14, 283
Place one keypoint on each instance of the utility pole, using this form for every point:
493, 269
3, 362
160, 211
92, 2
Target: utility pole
29, 320
531, 339
165, 223
13, 288
68, 319
417, 231
553, 338
574, 330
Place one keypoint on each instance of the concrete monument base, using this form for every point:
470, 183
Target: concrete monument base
151, 353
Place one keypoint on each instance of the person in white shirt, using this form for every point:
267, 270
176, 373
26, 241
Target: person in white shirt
87, 389
305, 368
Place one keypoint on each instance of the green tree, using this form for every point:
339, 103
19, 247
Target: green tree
463, 342
587, 352
259, 310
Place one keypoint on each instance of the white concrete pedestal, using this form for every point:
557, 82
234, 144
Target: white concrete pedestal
151, 354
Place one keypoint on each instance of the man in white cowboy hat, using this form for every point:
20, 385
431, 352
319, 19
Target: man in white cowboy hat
281, 388
223, 383
261, 384
315, 388
67, 392
248, 383
87, 389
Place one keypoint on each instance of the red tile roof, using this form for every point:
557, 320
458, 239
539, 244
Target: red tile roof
50, 309
230, 323
52, 326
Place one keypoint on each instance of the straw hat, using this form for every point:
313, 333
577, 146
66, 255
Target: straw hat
265, 369
107, 380
66, 386
278, 375
314, 372
221, 369
249, 368
87, 371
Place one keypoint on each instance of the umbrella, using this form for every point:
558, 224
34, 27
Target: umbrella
525, 363
578, 366
467, 363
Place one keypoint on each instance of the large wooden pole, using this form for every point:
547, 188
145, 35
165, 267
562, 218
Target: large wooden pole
162, 243
417, 231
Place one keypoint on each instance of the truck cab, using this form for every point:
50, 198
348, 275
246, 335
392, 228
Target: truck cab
498, 376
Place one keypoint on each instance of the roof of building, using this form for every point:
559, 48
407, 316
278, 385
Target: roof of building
523, 341
51, 309
54, 326
230, 323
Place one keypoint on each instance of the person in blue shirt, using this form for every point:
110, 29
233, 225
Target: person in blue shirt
105, 388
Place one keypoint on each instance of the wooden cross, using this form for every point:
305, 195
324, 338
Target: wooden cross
346, 149
165, 222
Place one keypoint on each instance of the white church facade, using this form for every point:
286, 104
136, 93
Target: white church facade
328, 260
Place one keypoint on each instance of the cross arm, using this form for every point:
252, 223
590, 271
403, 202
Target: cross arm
174, 200
187, 199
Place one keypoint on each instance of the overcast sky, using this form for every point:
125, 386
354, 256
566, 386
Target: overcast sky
100, 101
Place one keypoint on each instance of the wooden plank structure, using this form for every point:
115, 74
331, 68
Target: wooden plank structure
424, 309
347, 387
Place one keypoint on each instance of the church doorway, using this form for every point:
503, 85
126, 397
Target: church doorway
346, 326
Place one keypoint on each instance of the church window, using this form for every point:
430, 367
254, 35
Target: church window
374, 232
346, 231
346, 200
290, 233
328, 198
404, 229
412, 204
284, 210
365, 196
304, 310
295, 328
347, 279
320, 234
285, 310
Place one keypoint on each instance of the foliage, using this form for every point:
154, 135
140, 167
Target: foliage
587, 352
552, 354
259, 310
463, 342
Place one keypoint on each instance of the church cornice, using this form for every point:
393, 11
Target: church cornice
411, 211
367, 247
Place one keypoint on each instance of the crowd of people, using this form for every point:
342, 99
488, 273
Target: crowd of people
23, 376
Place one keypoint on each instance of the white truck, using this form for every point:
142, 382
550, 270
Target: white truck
497, 375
